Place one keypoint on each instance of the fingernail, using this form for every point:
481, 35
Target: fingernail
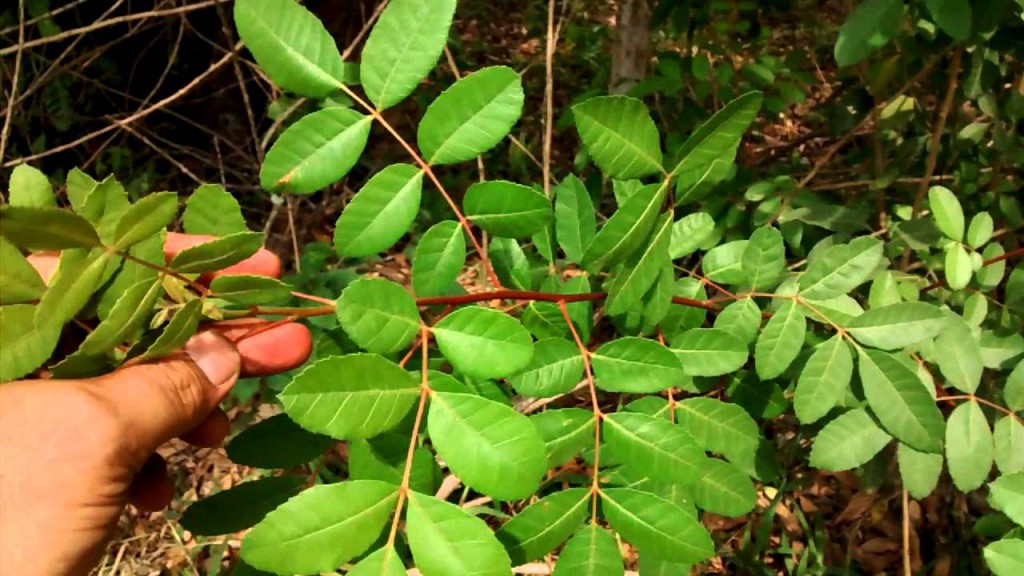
216, 357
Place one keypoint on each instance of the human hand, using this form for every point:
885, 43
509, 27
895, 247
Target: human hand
74, 452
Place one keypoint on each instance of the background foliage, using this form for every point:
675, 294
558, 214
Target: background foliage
756, 309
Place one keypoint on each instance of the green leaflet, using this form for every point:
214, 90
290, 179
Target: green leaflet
316, 151
969, 446
181, 327
1013, 391
217, 254
949, 215
958, 267
841, 268
472, 116
1008, 435
125, 320
593, 551
719, 135
1005, 557
566, 432
900, 401
239, 507
383, 562
349, 397
447, 540
249, 290
510, 263
19, 281
488, 445
719, 427
724, 263
78, 276
30, 187
104, 205
1006, 494
46, 228
920, 471
959, 355
724, 489
290, 45
627, 288
575, 220
483, 342
764, 259
638, 365
150, 215
870, 27
403, 48
379, 315
23, 350
709, 352
898, 325
656, 526
383, 458
848, 441
556, 368
980, 230
689, 233
380, 213
780, 341
277, 442
654, 447
620, 136
439, 258
507, 209
544, 525
213, 210
824, 380
321, 528
626, 230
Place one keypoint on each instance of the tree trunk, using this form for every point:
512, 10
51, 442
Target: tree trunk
631, 45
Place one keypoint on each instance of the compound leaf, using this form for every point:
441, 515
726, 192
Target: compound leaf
898, 325
380, 213
556, 367
1008, 436
593, 551
900, 401
483, 342
439, 258
848, 441
920, 471
620, 136
840, 268
379, 315
719, 427
969, 446
447, 540
626, 230
654, 447
719, 135
824, 380
780, 341
248, 290
316, 151
1006, 494
19, 281
657, 526
709, 352
724, 489
507, 209
575, 220
637, 365
566, 432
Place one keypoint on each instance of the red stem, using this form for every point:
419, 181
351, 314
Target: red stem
1007, 256
543, 297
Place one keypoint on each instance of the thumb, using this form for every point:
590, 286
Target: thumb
163, 400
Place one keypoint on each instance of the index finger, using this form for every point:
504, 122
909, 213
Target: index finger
262, 263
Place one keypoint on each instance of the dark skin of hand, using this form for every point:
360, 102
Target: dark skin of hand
73, 453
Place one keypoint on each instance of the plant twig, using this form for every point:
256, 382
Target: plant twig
14, 79
940, 128
595, 486
549, 97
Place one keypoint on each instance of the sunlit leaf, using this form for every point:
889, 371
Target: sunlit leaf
507, 209
181, 327
709, 352
620, 136
250, 290
593, 551
719, 134
212, 210
898, 325
471, 116
764, 259
544, 525
19, 281
30, 187
958, 267
638, 365
654, 447
1005, 557
575, 220
439, 258
447, 540
969, 446
379, 315
1008, 435
949, 215
24, 345
1006, 494
484, 342
959, 355
628, 287
316, 151
724, 489
380, 213
689, 233
780, 341
488, 445
46, 228
383, 562
626, 230
900, 401
824, 380
403, 48
719, 427
556, 367
354, 396
217, 254
841, 268
321, 528
566, 432
848, 441
148, 216
920, 471
291, 46
724, 263
656, 526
